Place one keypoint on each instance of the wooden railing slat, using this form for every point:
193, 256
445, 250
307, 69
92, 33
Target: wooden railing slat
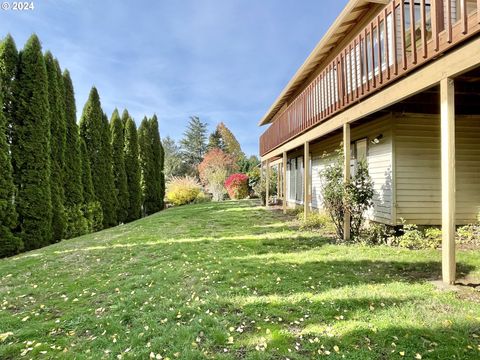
423, 20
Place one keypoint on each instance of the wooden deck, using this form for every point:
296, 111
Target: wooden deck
379, 55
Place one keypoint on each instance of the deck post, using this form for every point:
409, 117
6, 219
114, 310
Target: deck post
267, 182
447, 101
307, 180
284, 182
346, 176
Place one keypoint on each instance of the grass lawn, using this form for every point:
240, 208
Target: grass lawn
228, 281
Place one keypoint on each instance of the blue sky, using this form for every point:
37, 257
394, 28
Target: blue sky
222, 60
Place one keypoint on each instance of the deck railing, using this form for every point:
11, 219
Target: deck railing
386, 49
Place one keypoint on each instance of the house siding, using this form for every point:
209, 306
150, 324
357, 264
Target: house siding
418, 169
379, 159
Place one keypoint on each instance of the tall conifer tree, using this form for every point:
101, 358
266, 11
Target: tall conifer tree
158, 162
132, 167
151, 164
230, 142
31, 147
9, 243
119, 174
8, 72
95, 131
57, 146
92, 209
76, 222
193, 144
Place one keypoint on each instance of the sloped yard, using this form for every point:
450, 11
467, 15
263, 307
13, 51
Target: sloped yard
228, 281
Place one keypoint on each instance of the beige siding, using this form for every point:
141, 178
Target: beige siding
417, 157
379, 158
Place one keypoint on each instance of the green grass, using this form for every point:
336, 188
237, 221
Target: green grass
228, 281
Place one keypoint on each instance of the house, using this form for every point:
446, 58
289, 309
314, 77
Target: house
396, 83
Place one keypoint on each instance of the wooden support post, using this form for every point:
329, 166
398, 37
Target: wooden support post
284, 182
447, 100
307, 180
267, 183
346, 175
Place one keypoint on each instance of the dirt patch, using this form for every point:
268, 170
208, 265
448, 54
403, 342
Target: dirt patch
467, 288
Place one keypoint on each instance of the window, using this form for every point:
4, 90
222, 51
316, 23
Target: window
359, 152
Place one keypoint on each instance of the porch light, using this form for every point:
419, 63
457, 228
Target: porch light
376, 140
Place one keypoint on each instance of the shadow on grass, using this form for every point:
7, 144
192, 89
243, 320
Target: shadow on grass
289, 277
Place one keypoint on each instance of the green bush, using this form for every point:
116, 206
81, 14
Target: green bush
202, 198
316, 221
340, 198
93, 212
183, 190
415, 238
76, 223
469, 234
377, 234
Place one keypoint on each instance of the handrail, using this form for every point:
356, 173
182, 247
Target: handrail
378, 55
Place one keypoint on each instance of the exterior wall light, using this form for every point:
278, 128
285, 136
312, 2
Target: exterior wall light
376, 140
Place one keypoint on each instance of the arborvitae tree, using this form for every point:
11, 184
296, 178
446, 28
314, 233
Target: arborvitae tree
146, 169
31, 147
94, 130
87, 182
194, 144
8, 71
132, 168
72, 177
9, 244
92, 209
215, 141
57, 146
111, 210
119, 174
151, 165
158, 162
231, 144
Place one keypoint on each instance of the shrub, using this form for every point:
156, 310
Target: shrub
340, 198
315, 221
259, 184
202, 198
358, 197
415, 238
94, 214
377, 234
237, 186
76, 223
469, 234
183, 190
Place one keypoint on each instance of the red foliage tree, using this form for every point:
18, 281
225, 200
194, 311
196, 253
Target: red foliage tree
237, 186
214, 169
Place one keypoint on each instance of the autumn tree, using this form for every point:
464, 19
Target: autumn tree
214, 170
230, 142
